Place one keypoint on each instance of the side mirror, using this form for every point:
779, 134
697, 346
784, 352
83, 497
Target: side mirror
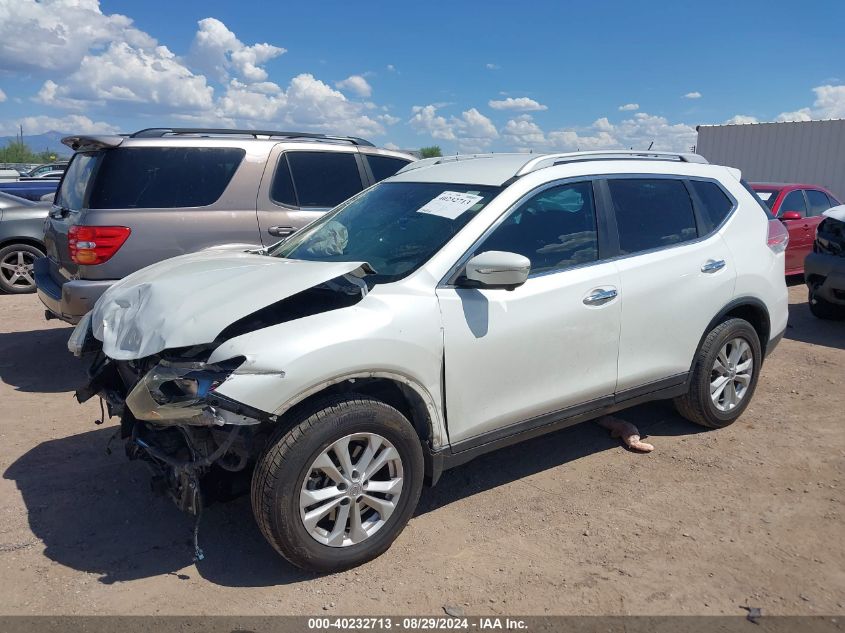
791, 215
496, 269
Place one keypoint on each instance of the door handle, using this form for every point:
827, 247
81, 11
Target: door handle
281, 231
600, 297
713, 265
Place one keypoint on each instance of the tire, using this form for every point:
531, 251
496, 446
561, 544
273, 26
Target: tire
697, 405
822, 309
287, 468
16, 262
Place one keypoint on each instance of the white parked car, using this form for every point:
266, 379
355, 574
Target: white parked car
463, 305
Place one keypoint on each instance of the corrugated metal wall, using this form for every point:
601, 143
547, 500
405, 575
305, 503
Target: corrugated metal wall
809, 151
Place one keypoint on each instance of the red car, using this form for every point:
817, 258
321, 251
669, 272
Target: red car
800, 208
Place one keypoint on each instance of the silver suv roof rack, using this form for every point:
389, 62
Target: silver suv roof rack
159, 132
548, 160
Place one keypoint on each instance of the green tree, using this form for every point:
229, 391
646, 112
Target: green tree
17, 151
431, 151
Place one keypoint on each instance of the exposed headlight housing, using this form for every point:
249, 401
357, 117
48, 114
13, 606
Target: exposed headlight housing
176, 392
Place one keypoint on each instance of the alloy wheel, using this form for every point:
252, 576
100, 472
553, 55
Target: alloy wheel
16, 268
731, 374
351, 489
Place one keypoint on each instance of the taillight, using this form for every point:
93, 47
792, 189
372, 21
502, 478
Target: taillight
91, 245
778, 236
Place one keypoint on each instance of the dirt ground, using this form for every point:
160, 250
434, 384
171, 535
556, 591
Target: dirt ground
571, 523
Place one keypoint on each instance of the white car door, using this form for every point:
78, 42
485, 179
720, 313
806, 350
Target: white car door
550, 345
675, 272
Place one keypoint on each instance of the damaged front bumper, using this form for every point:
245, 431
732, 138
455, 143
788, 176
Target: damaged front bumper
169, 392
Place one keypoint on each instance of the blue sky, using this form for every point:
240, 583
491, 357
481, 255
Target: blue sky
468, 76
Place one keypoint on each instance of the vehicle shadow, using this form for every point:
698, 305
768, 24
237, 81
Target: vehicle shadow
657, 419
94, 511
39, 361
806, 328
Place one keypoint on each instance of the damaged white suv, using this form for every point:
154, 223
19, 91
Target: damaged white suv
458, 307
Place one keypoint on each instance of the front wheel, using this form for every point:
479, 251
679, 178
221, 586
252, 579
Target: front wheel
724, 375
336, 489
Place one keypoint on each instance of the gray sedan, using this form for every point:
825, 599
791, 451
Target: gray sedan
21, 242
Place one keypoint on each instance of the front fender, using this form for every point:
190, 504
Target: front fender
384, 336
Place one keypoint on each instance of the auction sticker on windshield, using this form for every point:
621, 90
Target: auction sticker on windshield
450, 204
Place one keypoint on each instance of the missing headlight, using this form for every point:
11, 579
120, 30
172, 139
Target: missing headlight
176, 392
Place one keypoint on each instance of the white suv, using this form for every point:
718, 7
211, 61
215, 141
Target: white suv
463, 305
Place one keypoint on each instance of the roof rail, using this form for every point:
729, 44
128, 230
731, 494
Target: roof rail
158, 132
548, 160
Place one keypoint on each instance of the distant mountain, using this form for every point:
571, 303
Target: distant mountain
51, 140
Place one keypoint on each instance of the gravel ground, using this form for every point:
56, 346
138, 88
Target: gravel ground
571, 523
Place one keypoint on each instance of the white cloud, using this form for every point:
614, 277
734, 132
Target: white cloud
218, 52
73, 123
54, 35
388, 119
522, 133
392, 146
829, 104
355, 84
472, 131
425, 120
629, 107
520, 104
741, 119
125, 73
391, 68
490, 66
2, 96
693, 95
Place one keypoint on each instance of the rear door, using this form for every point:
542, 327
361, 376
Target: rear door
817, 203
800, 234
675, 273
299, 186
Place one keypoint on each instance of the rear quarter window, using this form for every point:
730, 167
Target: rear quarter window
715, 204
163, 177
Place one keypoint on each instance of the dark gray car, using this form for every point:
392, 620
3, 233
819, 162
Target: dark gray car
21, 242
126, 202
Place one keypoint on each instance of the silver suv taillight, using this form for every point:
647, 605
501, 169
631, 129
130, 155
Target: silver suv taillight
778, 236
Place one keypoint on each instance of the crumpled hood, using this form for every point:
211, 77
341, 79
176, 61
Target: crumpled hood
189, 300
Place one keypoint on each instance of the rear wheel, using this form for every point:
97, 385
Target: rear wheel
335, 490
724, 375
17, 262
822, 309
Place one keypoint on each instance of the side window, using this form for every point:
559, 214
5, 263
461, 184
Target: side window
716, 204
794, 201
384, 166
651, 213
555, 229
324, 179
833, 201
818, 201
282, 189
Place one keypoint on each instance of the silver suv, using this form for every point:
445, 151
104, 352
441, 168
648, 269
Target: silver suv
126, 202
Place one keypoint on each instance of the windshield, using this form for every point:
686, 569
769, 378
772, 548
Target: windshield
394, 226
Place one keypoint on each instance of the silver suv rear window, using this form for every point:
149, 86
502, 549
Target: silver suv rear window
162, 177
